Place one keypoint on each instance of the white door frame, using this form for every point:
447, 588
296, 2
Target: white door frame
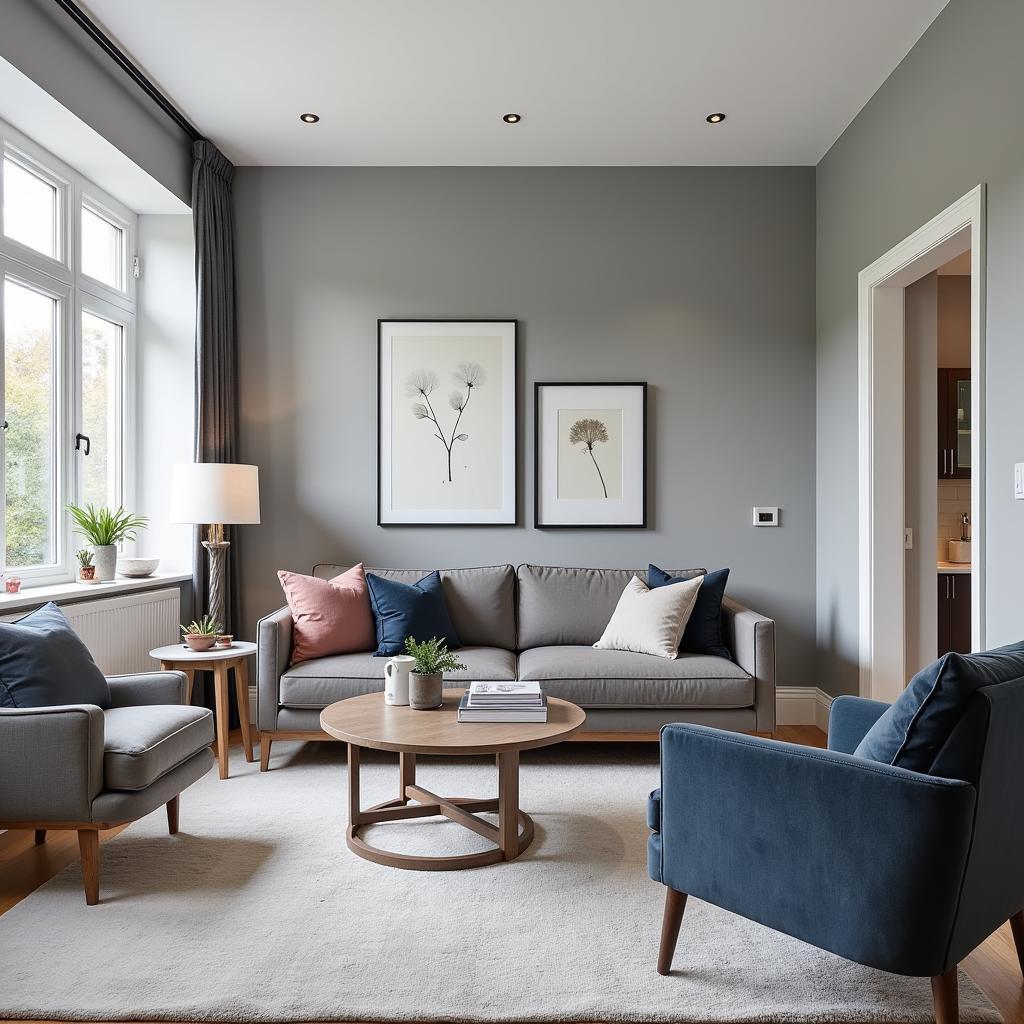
882, 430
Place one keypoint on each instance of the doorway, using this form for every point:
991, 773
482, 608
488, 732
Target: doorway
883, 469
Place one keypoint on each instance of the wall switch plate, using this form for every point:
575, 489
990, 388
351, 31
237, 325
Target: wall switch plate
1018, 481
766, 516
908, 538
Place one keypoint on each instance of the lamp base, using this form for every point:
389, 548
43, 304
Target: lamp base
218, 552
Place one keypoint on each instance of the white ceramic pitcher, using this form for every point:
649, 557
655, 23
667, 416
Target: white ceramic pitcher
396, 679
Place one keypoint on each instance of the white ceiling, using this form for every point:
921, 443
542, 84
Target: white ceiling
597, 81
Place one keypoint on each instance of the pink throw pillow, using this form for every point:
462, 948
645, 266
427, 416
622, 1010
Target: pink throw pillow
329, 616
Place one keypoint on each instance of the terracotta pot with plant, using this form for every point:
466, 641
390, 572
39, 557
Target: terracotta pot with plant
86, 570
201, 635
104, 529
426, 681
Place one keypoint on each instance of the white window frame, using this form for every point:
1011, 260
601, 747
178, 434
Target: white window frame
78, 293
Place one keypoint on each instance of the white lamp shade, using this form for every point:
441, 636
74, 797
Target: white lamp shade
215, 492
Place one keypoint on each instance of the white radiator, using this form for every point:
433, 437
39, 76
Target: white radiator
121, 631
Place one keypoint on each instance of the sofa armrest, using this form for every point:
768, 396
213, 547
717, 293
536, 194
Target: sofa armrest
273, 653
129, 691
51, 763
849, 719
752, 639
853, 856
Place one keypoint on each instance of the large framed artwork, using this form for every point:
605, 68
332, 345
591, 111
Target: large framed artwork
590, 460
446, 427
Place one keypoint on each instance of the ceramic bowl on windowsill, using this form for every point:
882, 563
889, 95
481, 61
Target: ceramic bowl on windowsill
137, 568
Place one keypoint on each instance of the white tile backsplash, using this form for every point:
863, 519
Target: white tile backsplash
954, 499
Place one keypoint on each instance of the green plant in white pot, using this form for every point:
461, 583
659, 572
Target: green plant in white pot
426, 680
104, 529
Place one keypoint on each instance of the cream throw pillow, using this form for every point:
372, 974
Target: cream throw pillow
650, 621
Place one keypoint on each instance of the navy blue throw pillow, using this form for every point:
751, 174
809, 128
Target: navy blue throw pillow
703, 632
911, 731
43, 663
400, 611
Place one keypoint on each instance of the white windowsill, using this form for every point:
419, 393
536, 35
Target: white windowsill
32, 597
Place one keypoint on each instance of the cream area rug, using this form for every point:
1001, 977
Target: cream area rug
257, 911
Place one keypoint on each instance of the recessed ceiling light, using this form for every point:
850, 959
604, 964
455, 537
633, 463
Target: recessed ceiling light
715, 118
309, 118
512, 118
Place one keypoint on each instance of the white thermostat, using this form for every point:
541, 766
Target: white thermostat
766, 516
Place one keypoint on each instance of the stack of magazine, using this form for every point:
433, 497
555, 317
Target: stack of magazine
503, 702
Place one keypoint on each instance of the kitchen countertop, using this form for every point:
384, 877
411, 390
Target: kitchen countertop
957, 567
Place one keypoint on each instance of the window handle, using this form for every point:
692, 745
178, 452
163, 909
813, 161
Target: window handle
79, 438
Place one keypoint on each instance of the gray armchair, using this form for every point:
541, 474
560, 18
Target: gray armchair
78, 767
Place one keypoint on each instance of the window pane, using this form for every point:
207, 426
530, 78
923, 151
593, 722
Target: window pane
101, 409
102, 246
31, 209
30, 330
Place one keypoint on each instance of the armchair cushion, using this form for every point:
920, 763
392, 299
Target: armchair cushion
912, 731
43, 664
144, 743
128, 691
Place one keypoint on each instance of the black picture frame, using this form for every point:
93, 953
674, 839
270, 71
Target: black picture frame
538, 439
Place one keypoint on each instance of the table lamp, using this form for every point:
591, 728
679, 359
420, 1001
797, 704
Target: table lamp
215, 495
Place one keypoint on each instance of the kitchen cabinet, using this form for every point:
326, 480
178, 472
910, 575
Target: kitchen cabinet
954, 455
954, 610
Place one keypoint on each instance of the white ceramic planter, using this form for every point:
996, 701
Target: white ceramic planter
105, 558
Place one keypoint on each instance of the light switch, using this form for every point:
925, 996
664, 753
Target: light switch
908, 538
1018, 481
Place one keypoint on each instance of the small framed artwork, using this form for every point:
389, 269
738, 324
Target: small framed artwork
446, 422
590, 461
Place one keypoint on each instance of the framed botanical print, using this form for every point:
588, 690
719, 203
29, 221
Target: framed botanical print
590, 460
446, 427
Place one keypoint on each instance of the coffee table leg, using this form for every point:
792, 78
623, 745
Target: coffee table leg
406, 774
355, 817
508, 803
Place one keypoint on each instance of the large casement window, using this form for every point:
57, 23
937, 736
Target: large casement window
67, 329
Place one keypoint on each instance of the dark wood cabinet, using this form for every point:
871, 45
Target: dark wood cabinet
954, 613
954, 455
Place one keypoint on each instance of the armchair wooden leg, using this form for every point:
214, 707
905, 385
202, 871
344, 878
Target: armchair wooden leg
172, 816
1017, 927
40, 836
89, 848
265, 742
675, 904
946, 998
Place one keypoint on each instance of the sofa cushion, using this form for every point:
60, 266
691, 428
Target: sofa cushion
650, 621
140, 744
571, 606
44, 664
481, 601
594, 678
402, 610
910, 733
315, 684
703, 633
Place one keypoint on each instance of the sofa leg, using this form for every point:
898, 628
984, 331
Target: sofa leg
1017, 927
89, 848
946, 997
40, 836
265, 742
172, 815
675, 904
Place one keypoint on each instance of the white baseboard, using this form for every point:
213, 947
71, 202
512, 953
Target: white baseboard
802, 705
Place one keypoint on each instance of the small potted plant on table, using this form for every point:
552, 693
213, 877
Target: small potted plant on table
201, 635
426, 680
86, 570
104, 529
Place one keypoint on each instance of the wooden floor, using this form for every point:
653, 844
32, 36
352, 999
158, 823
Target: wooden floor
24, 867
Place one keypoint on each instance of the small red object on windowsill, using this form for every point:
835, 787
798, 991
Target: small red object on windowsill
12, 584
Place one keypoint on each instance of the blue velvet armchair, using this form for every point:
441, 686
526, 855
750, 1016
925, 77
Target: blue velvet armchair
899, 870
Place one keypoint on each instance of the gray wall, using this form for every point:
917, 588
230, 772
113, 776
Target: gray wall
42, 42
946, 119
699, 280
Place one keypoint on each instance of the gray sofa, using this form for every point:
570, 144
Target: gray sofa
539, 622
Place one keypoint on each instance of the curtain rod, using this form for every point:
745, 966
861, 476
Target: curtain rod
128, 66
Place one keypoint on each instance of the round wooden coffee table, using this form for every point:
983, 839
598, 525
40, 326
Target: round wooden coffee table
366, 721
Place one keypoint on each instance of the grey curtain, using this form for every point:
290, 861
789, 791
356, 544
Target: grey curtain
216, 378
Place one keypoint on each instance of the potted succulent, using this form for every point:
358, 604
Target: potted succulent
201, 635
426, 680
104, 529
86, 570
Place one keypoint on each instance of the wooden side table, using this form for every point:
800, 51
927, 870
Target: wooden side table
178, 658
